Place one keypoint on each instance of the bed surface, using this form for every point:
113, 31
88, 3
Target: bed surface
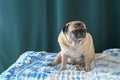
32, 66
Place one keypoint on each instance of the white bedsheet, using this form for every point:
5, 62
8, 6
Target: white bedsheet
32, 66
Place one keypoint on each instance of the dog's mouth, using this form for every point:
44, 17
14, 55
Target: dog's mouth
80, 35
80, 39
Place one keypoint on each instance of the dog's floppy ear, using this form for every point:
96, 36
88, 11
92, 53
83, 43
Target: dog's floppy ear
65, 28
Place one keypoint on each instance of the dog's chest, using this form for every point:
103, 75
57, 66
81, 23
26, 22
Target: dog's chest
75, 56
75, 50
74, 53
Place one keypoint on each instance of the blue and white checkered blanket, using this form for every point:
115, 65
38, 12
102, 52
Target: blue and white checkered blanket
32, 66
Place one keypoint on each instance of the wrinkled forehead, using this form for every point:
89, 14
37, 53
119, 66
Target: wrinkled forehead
76, 24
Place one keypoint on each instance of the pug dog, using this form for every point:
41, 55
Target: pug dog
76, 46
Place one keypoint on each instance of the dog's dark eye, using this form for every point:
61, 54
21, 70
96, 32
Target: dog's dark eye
74, 31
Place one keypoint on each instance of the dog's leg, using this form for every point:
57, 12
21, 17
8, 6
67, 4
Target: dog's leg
57, 60
64, 62
87, 64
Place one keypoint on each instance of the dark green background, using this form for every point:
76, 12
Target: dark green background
35, 24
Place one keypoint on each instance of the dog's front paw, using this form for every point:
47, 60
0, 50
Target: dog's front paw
61, 69
50, 64
88, 69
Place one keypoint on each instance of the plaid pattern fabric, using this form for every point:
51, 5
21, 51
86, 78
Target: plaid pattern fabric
32, 66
